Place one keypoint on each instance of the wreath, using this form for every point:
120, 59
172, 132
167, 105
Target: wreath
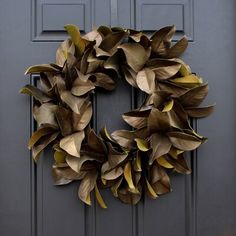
129, 162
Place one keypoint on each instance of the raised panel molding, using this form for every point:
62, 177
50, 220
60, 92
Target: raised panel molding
72, 13
152, 15
49, 17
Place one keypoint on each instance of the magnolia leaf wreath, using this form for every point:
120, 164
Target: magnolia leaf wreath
129, 162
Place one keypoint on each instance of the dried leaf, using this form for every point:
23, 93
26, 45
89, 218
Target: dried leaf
168, 106
115, 157
163, 162
110, 174
158, 121
128, 197
111, 41
200, 112
62, 52
161, 40
45, 114
178, 48
36, 93
136, 118
146, 80
142, 144
194, 96
182, 141
37, 135
124, 138
81, 86
130, 76
150, 190
163, 69
99, 198
72, 143
128, 175
137, 162
160, 145
189, 81
78, 41
43, 68
136, 55
86, 186
41, 144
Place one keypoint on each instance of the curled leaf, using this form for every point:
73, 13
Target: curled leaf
36, 93
128, 175
184, 141
136, 56
146, 80
99, 198
78, 41
72, 143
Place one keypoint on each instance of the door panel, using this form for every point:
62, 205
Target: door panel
202, 203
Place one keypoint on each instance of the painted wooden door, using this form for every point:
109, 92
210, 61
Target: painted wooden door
202, 204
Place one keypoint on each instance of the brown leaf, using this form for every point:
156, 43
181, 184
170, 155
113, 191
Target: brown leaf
111, 41
115, 157
161, 40
136, 56
159, 179
200, 112
182, 141
158, 121
180, 165
72, 101
36, 93
72, 143
194, 96
96, 143
104, 81
62, 52
128, 197
110, 174
163, 69
43, 68
81, 85
45, 114
178, 48
64, 175
160, 145
146, 80
41, 132
86, 187
115, 187
124, 138
65, 120
172, 88
136, 118
113, 62
82, 120
76, 163
42, 143
93, 36
130, 75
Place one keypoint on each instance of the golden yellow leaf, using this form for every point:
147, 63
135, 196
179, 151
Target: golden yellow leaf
163, 162
128, 175
99, 198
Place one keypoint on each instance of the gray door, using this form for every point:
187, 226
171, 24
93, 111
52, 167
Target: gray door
202, 204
